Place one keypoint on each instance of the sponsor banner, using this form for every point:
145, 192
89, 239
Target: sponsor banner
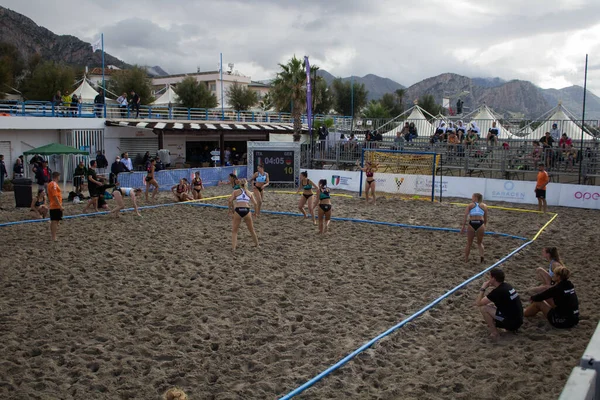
579, 196
345, 180
455, 186
519, 192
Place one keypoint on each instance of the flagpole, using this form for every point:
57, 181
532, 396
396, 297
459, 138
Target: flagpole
103, 82
221, 78
581, 155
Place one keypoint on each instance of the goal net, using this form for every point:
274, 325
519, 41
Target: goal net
403, 173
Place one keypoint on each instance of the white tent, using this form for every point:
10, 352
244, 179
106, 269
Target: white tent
416, 116
169, 97
565, 121
87, 94
484, 119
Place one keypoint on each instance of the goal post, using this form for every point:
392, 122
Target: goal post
405, 173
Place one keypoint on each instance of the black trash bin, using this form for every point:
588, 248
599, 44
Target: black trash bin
23, 194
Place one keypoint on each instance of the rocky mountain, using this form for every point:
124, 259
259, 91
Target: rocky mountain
512, 99
30, 39
156, 71
376, 85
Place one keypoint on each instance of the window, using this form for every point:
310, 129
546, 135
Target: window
212, 87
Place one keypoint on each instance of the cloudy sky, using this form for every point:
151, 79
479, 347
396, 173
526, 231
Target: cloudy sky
543, 41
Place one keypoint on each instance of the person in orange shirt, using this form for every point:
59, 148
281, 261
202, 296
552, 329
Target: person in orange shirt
56, 207
540, 187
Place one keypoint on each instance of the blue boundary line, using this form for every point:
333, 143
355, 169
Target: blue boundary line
414, 316
366, 221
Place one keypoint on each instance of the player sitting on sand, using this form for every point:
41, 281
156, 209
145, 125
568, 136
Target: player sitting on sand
197, 186
120, 192
559, 303
39, 209
307, 195
546, 276
180, 191
506, 311
239, 209
324, 206
369, 169
477, 215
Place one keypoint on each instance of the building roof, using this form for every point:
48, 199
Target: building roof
259, 84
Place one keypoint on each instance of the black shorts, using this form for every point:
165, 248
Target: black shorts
512, 326
148, 178
476, 224
325, 207
540, 194
56, 215
242, 211
557, 321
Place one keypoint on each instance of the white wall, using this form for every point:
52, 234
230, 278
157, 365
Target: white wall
113, 134
287, 137
33, 123
21, 141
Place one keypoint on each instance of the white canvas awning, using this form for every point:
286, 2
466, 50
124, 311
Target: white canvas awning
485, 118
565, 123
169, 97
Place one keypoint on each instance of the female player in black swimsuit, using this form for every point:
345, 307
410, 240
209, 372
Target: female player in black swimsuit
150, 180
239, 209
477, 215
197, 186
181, 190
369, 169
38, 206
307, 186
261, 181
324, 206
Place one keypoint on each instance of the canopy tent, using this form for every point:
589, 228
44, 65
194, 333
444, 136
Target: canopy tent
415, 115
57, 149
484, 117
566, 124
168, 98
87, 94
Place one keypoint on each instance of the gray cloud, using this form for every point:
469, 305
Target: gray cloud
537, 40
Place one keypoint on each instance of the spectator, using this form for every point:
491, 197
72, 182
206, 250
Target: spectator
453, 138
56, 207
93, 186
99, 104
412, 132
559, 303
493, 133
323, 133
122, 101
116, 168
227, 157
404, 131
571, 156
159, 165
74, 105
136, 101
506, 312
461, 130
555, 132
399, 139
43, 175
536, 153
56, 101
39, 209
565, 141
127, 161
547, 141
471, 138
146, 159
101, 160
475, 129
78, 177
3, 172
66, 103
19, 168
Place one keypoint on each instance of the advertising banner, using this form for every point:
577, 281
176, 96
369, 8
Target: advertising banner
580, 196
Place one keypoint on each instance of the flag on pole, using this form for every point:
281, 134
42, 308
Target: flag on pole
97, 45
308, 95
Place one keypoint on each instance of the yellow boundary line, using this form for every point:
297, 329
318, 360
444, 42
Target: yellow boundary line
206, 199
332, 194
544, 227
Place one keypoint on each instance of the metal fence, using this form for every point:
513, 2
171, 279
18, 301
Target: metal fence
518, 159
114, 111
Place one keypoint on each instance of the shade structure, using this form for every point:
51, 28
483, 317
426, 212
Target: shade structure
565, 123
168, 98
87, 94
484, 118
55, 149
417, 116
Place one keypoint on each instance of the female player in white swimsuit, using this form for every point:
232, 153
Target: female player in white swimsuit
239, 209
120, 192
476, 215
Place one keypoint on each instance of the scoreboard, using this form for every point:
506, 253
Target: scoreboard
280, 159
278, 164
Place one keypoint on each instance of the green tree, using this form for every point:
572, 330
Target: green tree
11, 67
45, 79
394, 102
375, 109
266, 102
342, 96
135, 79
427, 103
323, 99
289, 91
241, 98
194, 94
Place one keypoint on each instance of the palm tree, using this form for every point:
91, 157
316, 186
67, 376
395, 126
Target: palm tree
289, 88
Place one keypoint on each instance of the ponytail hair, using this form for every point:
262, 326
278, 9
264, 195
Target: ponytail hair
244, 183
562, 272
323, 183
304, 174
554, 255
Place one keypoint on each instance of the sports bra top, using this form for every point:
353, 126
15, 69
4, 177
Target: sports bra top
369, 173
308, 186
323, 195
242, 197
39, 203
180, 188
197, 182
261, 178
550, 272
125, 191
476, 211
236, 187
